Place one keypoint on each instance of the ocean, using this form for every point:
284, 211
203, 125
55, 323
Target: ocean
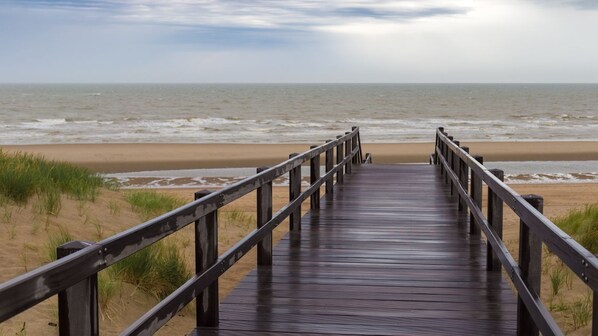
301, 113
294, 113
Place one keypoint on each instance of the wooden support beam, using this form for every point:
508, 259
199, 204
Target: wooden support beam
476, 193
294, 191
530, 262
314, 175
78, 304
206, 255
264, 214
495, 220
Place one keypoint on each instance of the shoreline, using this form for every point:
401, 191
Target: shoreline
115, 158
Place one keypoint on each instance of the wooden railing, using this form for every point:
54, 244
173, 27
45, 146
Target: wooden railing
465, 173
74, 276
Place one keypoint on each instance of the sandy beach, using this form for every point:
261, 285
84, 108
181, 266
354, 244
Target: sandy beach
111, 158
25, 250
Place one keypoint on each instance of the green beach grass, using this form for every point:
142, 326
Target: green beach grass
23, 176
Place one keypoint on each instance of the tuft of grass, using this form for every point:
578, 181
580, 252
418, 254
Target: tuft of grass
558, 277
54, 240
582, 225
50, 203
114, 208
158, 269
108, 286
237, 216
581, 312
24, 175
151, 204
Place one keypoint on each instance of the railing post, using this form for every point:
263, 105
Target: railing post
442, 150
437, 146
314, 175
78, 304
206, 254
476, 194
454, 168
347, 153
339, 159
463, 179
495, 218
530, 262
355, 159
449, 160
264, 214
329, 166
294, 191
594, 313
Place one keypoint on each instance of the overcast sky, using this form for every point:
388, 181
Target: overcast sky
299, 41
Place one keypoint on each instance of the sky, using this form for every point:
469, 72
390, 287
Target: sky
299, 41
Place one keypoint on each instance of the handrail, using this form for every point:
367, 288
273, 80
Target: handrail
582, 262
29, 289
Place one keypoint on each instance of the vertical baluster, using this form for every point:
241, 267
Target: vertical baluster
264, 214
476, 195
455, 168
530, 262
294, 191
314, 175
206, 255
463, 169
339, 159
78, 304
329, 166
347, 153
354, 144
495, 219
449, 157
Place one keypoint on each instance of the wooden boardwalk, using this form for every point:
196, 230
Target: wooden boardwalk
387, 254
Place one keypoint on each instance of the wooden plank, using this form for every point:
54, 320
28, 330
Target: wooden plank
387, 254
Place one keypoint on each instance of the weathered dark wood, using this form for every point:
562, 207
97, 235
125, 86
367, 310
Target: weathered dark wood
78, 304
356, 159
530, 262
451, 161
294, 191
455, 164
339, 158
540, 314
359, 159
558, 242
463, 179
206, 254
410, 270
595, 314
348, 147
314, 175
264, 214
495, 220
476, 193
329, 164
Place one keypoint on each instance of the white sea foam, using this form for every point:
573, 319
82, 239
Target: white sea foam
295, 113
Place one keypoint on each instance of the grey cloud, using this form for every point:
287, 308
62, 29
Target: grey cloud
579, 4
260, 14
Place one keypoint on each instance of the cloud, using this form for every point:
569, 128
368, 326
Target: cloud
258, 14
579, 4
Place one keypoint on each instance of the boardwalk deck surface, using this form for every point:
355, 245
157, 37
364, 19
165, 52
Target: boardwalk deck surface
387, 254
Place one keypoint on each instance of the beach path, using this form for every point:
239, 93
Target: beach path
387, 253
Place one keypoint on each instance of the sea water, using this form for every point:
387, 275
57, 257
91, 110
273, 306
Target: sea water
301, 113
294, 113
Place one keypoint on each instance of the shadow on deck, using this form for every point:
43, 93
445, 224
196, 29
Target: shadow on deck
388, 253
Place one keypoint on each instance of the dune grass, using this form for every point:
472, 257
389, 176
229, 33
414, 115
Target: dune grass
582, 225
151, 204
158, 269
23, 176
